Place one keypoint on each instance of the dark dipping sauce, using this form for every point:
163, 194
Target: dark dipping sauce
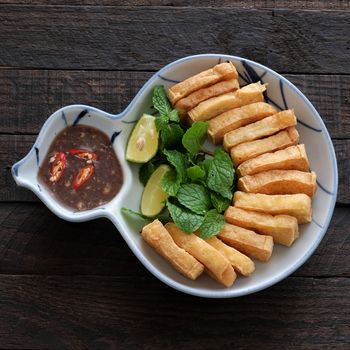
105, 181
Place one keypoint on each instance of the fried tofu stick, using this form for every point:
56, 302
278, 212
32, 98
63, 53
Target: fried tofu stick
297, 205
189, 102
159, 238
237, 117
252, 149
216, 105
215, 263
291, 158
248, 242
282, 228
261, 128
240, 262
279, 182
222, 71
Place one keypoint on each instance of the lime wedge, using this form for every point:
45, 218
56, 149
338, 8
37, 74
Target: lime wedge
143, 142
153, 197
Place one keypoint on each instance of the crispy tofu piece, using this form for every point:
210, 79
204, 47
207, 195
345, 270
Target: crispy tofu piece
261, 128
216, 105
252, 149
217, 265
279, 182
297, 205
291, 158
237, 117
222, 71
240, 262
189, 102
282, 228
248, 242
159, 238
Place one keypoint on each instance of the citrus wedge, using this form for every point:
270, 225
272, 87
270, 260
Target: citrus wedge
143, 142
153, 197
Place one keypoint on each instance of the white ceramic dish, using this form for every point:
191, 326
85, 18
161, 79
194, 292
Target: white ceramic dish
281, 93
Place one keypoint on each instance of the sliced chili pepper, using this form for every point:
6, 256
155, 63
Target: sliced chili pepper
83, 154
58, 165
83, 175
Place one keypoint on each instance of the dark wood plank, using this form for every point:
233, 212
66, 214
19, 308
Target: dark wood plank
28, 97
77, 312
119, 38
299, 4
34, 241
14, 147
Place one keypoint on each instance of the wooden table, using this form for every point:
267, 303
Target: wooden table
65, 285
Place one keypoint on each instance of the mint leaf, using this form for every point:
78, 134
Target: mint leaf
221, 174
194, 137
160, 100
179, 161
161, 122
174, 116
184, 219
170, 182
205, 165
219, 202
195, 172
194, 197
171, 135
212, 224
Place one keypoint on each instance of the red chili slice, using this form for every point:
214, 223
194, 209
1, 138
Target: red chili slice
83, 154
57, 167
83, 176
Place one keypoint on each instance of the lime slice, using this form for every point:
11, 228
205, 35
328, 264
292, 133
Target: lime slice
143, 142
153, 197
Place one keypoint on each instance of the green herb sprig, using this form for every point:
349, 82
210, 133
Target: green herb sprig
199, 187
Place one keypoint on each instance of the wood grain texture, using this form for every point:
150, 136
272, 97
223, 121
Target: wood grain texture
296, 4
119, 37
14, 147
35, 241
60, 312
28, 97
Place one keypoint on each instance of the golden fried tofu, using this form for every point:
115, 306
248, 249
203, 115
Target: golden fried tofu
240, 262
261, 128
279, 182
291, 158
216, 105
222, 71
252, 149
247, 241
282, 228
159, 238
297, 205
237, 117
189, 102
217, 265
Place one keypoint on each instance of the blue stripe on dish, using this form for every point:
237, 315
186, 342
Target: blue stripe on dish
324, 189
63, 116
129, 121
168, 79
309, 126
316, 223
80, 116
114, 136
37, 155
15, 169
